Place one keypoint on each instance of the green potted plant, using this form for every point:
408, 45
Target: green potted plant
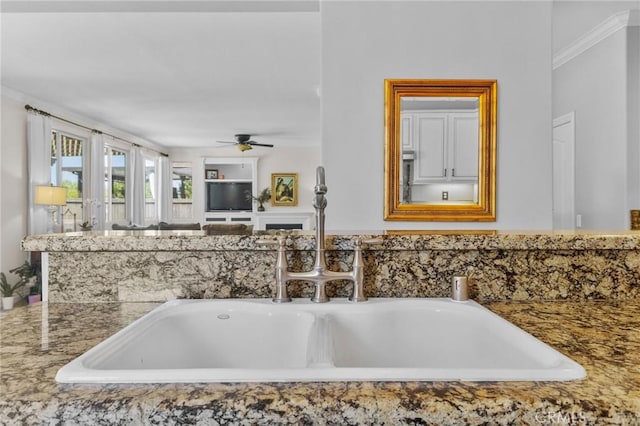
263, 197
27, 272
7, 291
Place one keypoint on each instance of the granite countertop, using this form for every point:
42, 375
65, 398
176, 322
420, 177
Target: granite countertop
123, 241
603, 336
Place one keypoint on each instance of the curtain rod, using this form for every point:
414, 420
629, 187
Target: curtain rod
39, 111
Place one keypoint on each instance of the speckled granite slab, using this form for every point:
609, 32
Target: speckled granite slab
601, 335
496, 274
161, 265
304, 240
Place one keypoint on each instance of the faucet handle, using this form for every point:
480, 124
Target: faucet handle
358, 268
281, 295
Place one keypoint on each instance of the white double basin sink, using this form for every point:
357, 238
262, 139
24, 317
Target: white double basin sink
255, 340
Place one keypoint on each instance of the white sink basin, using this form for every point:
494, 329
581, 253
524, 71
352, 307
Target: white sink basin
232, 340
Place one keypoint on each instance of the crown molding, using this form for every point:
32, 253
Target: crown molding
611, 25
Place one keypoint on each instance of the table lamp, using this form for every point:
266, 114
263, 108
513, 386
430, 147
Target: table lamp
51, 196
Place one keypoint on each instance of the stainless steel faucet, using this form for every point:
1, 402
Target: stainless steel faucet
319, 275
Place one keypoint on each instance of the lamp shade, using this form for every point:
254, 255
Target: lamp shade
51, 195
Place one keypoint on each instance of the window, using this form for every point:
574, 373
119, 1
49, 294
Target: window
115, 184
100, 184
68, 170
181, 183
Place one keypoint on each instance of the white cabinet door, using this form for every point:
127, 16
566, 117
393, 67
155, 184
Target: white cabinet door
446, 146
406, 132
463, 146
430, 140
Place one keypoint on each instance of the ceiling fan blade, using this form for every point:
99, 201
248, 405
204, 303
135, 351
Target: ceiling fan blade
260, 144
245, 143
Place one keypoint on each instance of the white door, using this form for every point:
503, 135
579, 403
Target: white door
564, 215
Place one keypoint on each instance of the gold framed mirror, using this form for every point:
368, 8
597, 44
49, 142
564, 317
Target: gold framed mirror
440, 150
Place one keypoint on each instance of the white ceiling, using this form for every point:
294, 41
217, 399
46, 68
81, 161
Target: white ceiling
180, 74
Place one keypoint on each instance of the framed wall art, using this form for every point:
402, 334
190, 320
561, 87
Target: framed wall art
284, 189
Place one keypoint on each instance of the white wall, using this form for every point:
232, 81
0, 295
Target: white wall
594, 85
365, 42
291, 160
13, 185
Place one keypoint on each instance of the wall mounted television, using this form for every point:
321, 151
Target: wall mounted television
229, 196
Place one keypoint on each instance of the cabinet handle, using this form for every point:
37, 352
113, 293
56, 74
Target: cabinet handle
453, 172
445, 172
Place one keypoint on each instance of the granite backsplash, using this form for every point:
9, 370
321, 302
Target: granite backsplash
161, 265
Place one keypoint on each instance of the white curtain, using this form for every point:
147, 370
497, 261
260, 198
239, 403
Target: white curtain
165, 194
38, 167
137, 202
94, 202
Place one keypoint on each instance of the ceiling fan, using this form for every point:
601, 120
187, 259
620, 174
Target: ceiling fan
245, 143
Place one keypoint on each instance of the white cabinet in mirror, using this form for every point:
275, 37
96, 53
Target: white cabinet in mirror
439, 150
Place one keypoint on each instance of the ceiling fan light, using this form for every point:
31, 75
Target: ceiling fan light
244, 147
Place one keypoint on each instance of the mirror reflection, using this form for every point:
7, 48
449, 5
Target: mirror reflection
439, 150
